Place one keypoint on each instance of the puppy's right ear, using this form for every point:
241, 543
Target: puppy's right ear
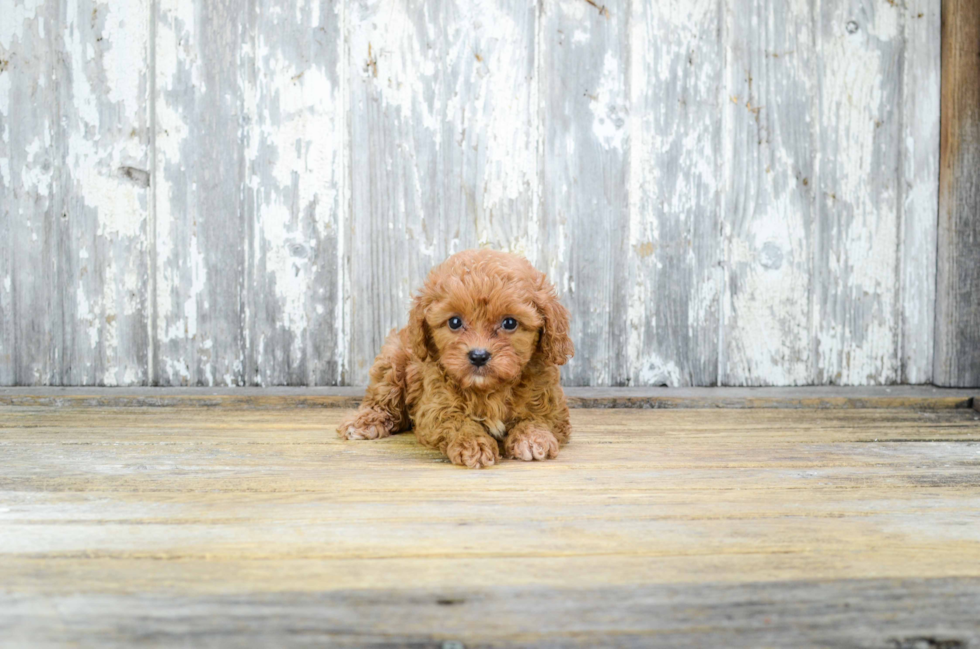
554, 342
418, 328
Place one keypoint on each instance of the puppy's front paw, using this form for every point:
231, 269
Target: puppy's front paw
473, 451
366, 424
531, 443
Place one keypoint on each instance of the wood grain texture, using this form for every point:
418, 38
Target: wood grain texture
734, 192
296, 194
443, 148
918, 209
584, 116
767, 526
876, 613
957, 354
200, 239
31, 174
768, 208
675, 277
105, 120
74, 149
879, 613
856, 272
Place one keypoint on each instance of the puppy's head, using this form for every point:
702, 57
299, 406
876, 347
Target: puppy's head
484, 315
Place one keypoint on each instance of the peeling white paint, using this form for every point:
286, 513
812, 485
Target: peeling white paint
131, 376
176, 301
62, 144
177, 371
920, 131
84, 98
609, 105
296, 146
852, 96
118, 203
886, 23
472, 146
37, 178
14, 18
500, 113
861, 347
86, 317
657, 371
130, 40
675, 286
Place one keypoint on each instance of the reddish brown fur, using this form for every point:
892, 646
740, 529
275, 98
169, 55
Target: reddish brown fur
423, 380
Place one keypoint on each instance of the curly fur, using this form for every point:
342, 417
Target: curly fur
423, 380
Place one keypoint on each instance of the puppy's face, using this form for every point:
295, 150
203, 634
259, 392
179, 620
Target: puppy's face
483, 316
484, 340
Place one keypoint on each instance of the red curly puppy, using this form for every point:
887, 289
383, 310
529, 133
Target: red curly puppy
475, 372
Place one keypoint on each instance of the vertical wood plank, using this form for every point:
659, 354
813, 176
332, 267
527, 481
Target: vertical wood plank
442, 147
957, 352
856, 277
106, 114
584, 106
296, 177
31, 177
921, 65
74, 174
201, 210
677, 63
769, 193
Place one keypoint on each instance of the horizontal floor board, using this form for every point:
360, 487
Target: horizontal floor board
848, 613
214, 526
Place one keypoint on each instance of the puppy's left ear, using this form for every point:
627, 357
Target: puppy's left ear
554, 342
418, 328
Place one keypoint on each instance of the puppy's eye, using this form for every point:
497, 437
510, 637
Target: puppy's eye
455, 322
509, 324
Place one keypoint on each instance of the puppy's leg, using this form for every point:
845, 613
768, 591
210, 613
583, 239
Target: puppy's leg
439, 425
531, 440
471, 446
383, 411
368, 423
542, 428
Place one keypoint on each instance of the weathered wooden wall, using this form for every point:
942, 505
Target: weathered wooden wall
957, 356
240, 192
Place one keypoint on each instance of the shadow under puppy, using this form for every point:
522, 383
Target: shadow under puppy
475, 372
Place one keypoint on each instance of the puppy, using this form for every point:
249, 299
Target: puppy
475, 372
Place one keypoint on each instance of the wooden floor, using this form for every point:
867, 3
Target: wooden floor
227, 527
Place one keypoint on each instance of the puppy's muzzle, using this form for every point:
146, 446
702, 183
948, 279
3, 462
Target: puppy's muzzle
479, 357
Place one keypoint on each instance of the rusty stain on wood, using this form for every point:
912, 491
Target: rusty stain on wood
601, 8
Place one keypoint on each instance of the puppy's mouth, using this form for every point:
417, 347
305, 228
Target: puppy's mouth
481, 376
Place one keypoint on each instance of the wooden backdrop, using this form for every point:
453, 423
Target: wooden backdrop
239, 192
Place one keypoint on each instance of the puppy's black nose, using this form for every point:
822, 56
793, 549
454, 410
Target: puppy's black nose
479, 357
